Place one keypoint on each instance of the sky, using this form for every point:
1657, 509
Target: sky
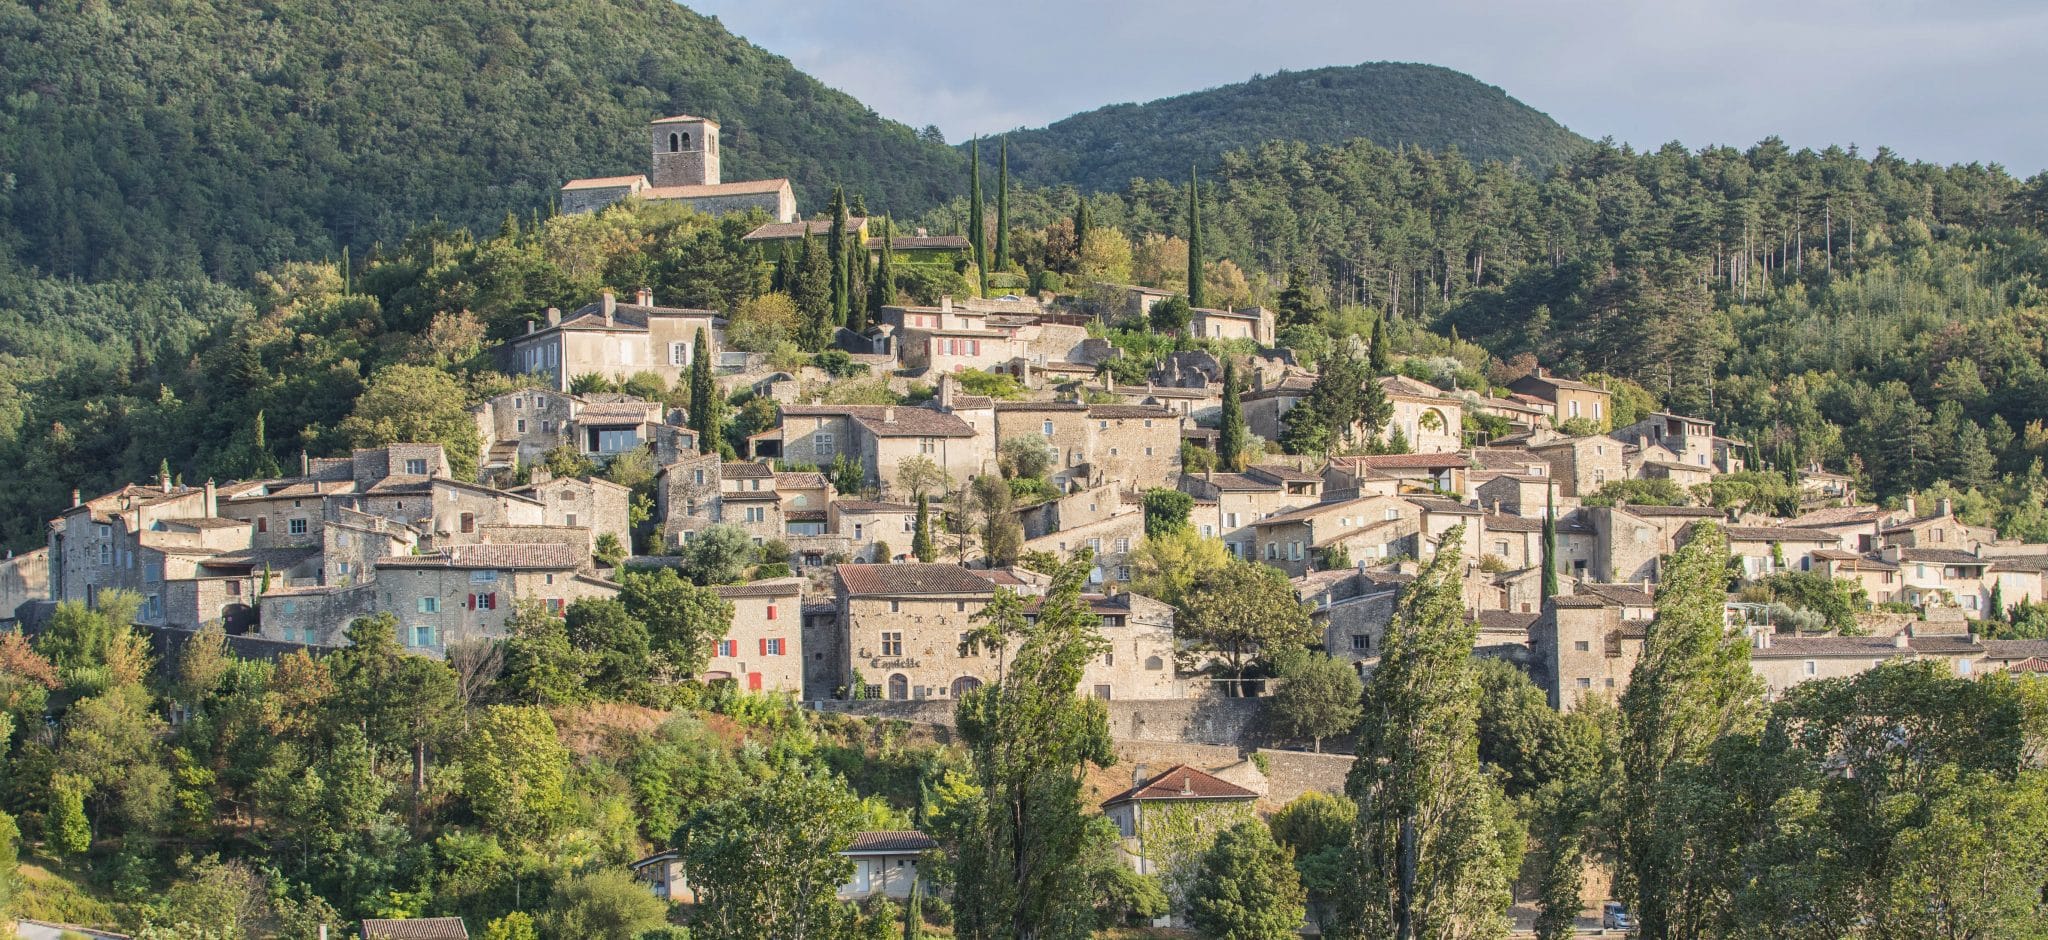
1957, 81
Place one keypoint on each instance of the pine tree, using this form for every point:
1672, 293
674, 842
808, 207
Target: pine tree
1003, 210
977, 234
1549, 546
921, 545
1432, 856
705, 418
1195, 286
842, 275
882, 286
1235, 439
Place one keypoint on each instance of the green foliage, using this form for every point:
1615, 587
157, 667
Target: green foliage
1316, 828
1166, 511
997, 385
1652, 492
1234, 439
719, 554
1030, 736
1170, 315
1248, 889
1107, 148
609, 904
683, 621
515, 773
922, 547
417, 405
1243, 614
1839, 601
847, 475
838, 364
1318, 696
765, 863
1002, 536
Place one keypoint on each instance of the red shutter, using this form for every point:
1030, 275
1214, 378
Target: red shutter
753, 682
781, 646
771, 611
471, 603
764, 646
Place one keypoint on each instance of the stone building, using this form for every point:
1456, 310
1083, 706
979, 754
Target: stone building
1227, 505
594, 504
1252, 323
1101, 520
614, 341
1587, 644
880, 437
763, 650
1582, 465
23, 578
518, 428
1432, 421
1093, 445
1567, 398
459, 593
685, 156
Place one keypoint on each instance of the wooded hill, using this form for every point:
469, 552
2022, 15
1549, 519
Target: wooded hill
1393, 104
214, 138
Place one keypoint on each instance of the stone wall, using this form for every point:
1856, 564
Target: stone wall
1224, 722
1289, 774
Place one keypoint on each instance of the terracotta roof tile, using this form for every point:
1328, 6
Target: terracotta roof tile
892, 843
1181, 782
543, 555
912, 579
418, 928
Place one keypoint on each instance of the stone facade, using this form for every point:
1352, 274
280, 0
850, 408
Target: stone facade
1586, 645
1582, 465
23, 578
685, 160
613, 340
763, 650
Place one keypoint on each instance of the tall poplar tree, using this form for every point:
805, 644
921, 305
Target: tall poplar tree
1235, 438
1195, 292
921, 546
704, 411
1435, 846
1692, 687
1081, 225
1031, 738
882, 286
1003, 209
813, 296
1382, 357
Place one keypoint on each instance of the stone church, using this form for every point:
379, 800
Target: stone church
685, 149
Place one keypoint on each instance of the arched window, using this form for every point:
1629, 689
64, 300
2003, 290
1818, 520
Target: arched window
964, 685
686, 141
899, 687
675, 143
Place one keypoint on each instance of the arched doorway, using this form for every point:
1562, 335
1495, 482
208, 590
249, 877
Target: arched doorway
964, 685
899, 686
238, 619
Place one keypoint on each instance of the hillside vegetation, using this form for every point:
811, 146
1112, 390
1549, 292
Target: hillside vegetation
1390, 103
211, 138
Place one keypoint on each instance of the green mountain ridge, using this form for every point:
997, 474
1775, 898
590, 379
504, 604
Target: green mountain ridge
142, 139
1390, 103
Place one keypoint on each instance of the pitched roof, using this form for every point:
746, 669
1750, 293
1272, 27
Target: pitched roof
913, 242
544, 555
2015, 649
417, 928
901, 842
799, 480
746, 470
1840, 515
1449, 507
683, 119
1285, 473
1130, 411
1855, 561
744, 188
1307, 512
778, 230
1627, 595
1773, 533
1181, 782
1504, 522
1804, 647
1942, 556
630, 318
1236, 482
912, 579
868, 505
2031, 563
1443, 461
605, 182
890, 420
772, 587
1403, 385
1505, 621
1667, 512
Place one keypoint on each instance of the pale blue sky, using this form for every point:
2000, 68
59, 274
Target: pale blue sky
1954, 81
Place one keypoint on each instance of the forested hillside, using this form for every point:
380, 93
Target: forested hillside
1390, 103
215, 139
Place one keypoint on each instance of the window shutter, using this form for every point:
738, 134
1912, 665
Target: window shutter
471, 603
764, 646
771, 611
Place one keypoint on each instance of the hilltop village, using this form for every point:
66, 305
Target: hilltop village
946, 459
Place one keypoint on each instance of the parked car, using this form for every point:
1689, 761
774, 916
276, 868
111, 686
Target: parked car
1614, 916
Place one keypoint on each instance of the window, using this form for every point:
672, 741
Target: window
1294, 551
895, 607
1102, 692
821, 444
1148, 451
417, 467
928, 445
1500, 548
1230, 520
1575, 408
1361, 642
772, 646
892, 643
959, 607
728, 647
679, 354
1582, 646
483, 576
262, 524
106, 555
519, 404
569, 520
1048, 428
468, 523
484, 601
1272, 551
675, 143
757, 514
430, 605
1123, 545
521, 423
423, 636
1585, 683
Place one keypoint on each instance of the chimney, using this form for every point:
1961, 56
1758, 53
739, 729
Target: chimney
1187, 785
305, 463
163, 481
554, 316
1945, 507
74, 499
945, 304
1912, 510
212, 499
888, 414
921, 232
945, 392
1108, 382
1899, 640
645, 297
531, 326
611, 306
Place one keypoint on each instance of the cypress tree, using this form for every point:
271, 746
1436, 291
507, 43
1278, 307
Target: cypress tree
882, 285
1195, 293
704, 416
784, 278
813, 295
921, 545
836, 251
1235, 439
260, 464
976, 227
1382, 358
1081, 224
1003, 209
1549, 546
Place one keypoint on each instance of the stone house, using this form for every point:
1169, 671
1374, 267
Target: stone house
1353, 606
1857, 529
872, 528
772, 238
1629, 542
1169, 820
1940, 529
123, 541
1139, 664
23, 578
1582, 465
884, 864
1879, 578
685, 160
1432, 421
613, 340
462, 592
1110, 535
1586, 645
1519, 410
1136, 445
1764, 550
1369, 528
1517, 541
2018, 577
747, 498
1933, 578
1267, 403
1691, 440
1567, 398
1252, 323
592, 503
763, 648
521, 425
1437, 472
1818, 487
1528, 492
881, 437
1785, 661
1228, 504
